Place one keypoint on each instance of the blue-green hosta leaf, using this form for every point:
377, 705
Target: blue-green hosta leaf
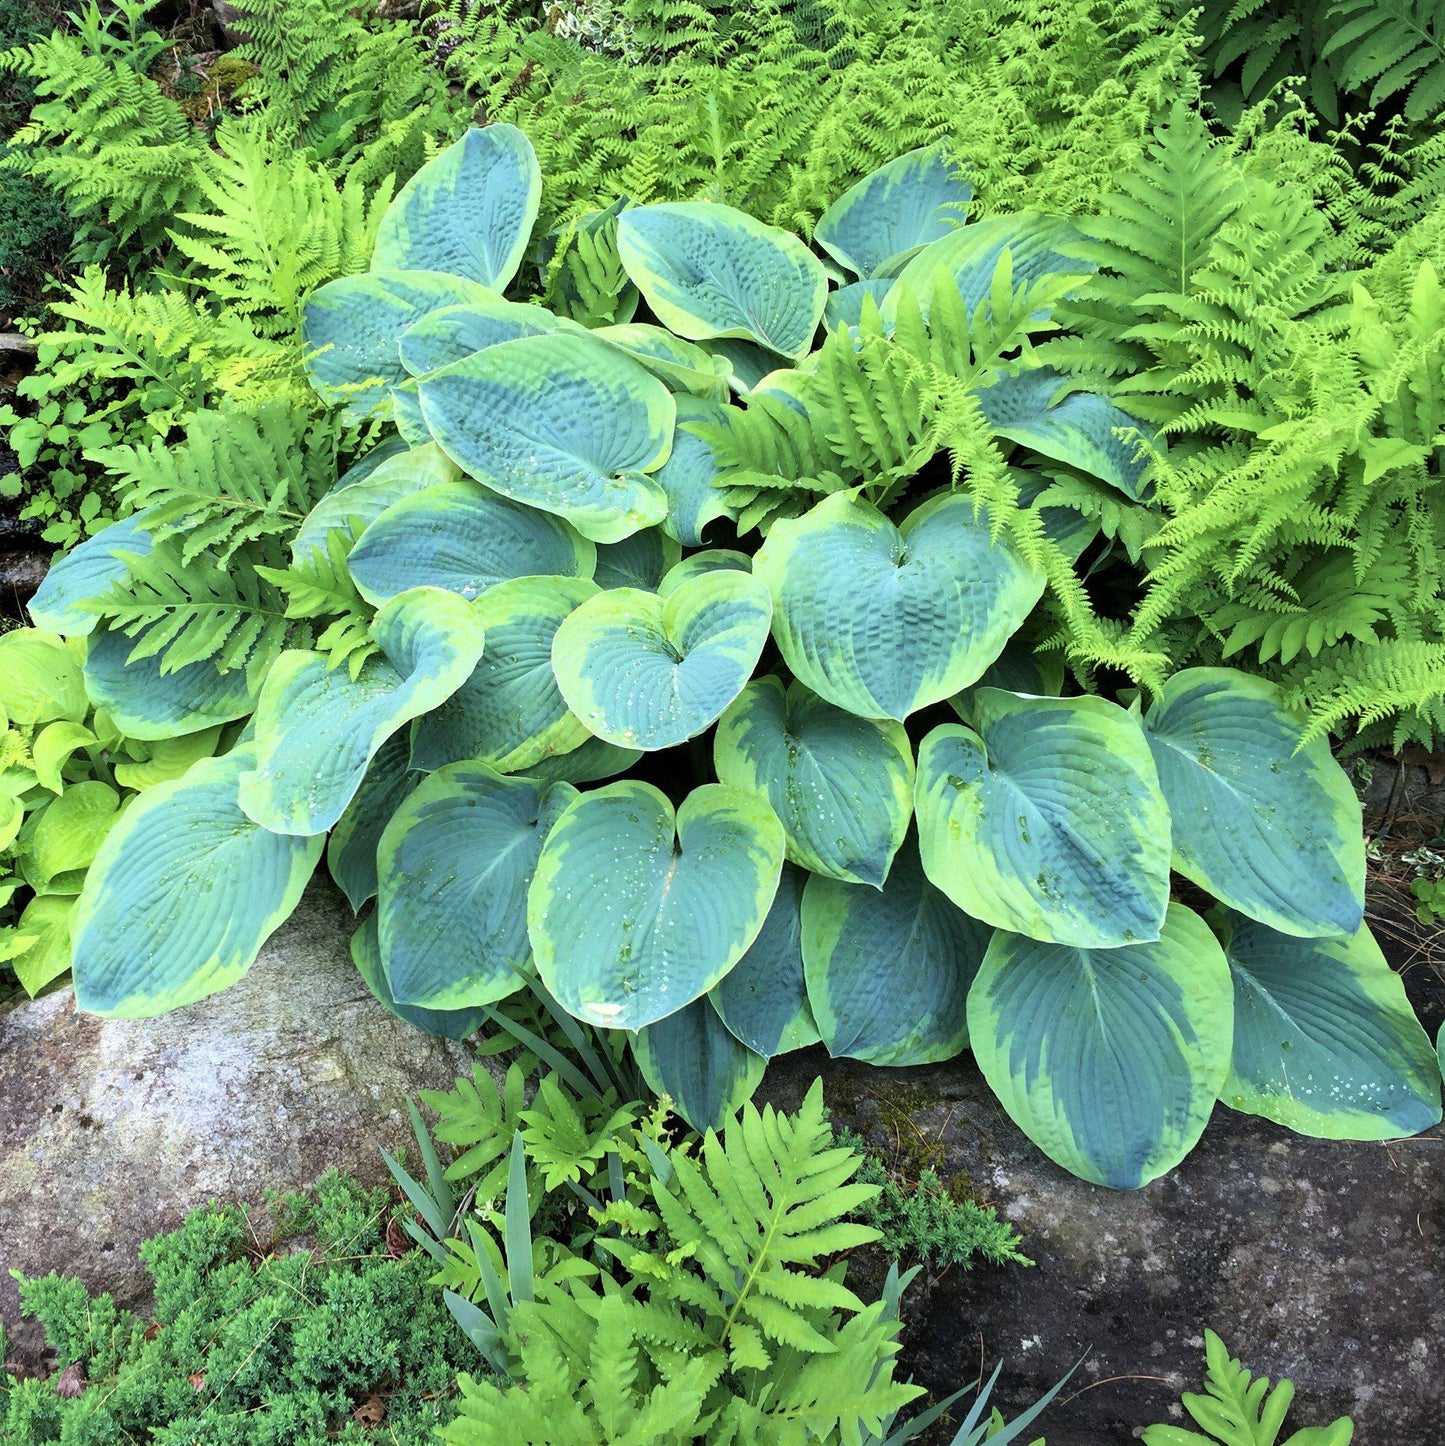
351, 849
842, 786
763, 999
1018, 669
710, 559
467, 212
970, 254
888, 971
406, 414
317, 728
683, 365
446, 336
712, 271
635, 912
448, 1023
148, 704
41, 678
593, 761
1048, 820
648, 672
641, 560
183, 893
454, 866
509, 713
1274, 833
694, 1059
748, 363
369, 461
353, 508
845, 306
1079, 429
686, 476
1109, 1060
883, 620
562, 422
1325, 1041
464, 538
351, 328
911, 201
76, 580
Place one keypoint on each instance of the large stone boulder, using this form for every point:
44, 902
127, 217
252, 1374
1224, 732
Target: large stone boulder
111, 1130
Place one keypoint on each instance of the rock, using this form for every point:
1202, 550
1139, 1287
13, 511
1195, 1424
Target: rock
111, 1130
1314, 1259
229, 21
21, 572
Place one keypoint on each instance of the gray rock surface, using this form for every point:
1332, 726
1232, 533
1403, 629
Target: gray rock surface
111, 1130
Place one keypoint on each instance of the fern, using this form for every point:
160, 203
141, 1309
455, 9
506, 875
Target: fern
318, 585
1393, 47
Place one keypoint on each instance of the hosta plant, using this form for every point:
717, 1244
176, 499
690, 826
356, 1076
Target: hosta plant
681, 665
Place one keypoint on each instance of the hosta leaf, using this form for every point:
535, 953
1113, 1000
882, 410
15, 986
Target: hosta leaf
906, 204
925, 608
594, 760
1019, 669
448, 1023
40, 678
52, 750
351, 328
75, 580
67, 833
351, 849
509, 713
693, 1059
1325, 1041
146, 703
1274, 833
467, 212
888, 972
842, 786
648, 672
446, 336
970, 254
682, 365
641, 560
46, 921
183, 893
763, 999
1109, 1060
168, 758
710, 559
686, 476
1047, 820
1079, 429
317, 728
562, 422
712, 271
353, 508
464, 538
635, 912
454, 867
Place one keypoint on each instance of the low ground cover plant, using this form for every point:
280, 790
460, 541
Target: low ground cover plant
514, 598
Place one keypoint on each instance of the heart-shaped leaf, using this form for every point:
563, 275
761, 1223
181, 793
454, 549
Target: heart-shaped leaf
446, 336
562, 422
351, 328
351, 849
46, 922
454, 867
1047, 820
447, 1023
41, 678
1274, 832
594, 760
763, 998
468, 212
911, 201
509, 713
842, 786
693, 1059
635, 912
183, 893
888, 972
464, 538
1109, 1060
146, 703
641, 560
1325, 1041
925, 609
67, 833
710, 559
76, 579
317, 728
683, 365
1080, 429
644, 671
686, 476
712, 271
